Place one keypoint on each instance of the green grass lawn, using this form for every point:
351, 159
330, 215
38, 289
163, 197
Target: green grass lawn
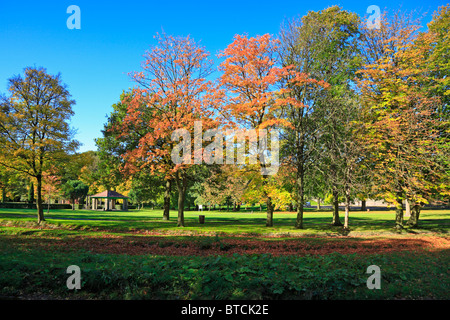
28, 270
315, 223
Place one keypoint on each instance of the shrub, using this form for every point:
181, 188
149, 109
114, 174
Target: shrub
22, 205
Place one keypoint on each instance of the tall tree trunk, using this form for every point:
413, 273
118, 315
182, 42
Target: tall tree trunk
399, 212
363, 205
166, 213
318, 203
336, 219
40, 208
300, 197
407, 208
181, 181
347, 207
414, 217
269, 220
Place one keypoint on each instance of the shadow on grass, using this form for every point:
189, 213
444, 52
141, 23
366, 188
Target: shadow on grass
221, 222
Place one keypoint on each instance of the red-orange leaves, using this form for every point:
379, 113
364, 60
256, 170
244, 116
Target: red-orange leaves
256, 84
250, 75
173, 93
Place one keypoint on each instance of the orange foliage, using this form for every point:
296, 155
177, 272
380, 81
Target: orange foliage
173, 93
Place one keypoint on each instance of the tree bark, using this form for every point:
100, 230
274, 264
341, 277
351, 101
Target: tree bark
414, 217
181, 181
166, 213
40, 208
336, 219
318, 203
363, 205
269, 220
347, 208
407, 208
300, 197
399, 213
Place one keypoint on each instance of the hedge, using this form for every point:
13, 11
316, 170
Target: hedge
23, 205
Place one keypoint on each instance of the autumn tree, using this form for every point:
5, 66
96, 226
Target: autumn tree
50, 187
251, 75
113, 146
434, 53
34, 125
428, 56
437, 44
89, 172
225, 185
174, 93
402, 131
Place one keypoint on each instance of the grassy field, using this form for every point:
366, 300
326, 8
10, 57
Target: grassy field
137, 255
315, 222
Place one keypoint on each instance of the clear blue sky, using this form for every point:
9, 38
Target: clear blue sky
95, 60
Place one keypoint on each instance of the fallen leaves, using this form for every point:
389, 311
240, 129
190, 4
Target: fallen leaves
208, 245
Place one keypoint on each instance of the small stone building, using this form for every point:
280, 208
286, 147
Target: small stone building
109, 198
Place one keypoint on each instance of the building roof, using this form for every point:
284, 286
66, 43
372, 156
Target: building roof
109, 194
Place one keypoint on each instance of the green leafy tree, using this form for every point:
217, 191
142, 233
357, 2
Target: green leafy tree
34, 125
145, 187
111, 146
75, 190
322, 46
31, 198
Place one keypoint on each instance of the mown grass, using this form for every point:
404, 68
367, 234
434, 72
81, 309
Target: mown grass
228, 222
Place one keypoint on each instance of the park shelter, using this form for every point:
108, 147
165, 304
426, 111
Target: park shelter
110, 198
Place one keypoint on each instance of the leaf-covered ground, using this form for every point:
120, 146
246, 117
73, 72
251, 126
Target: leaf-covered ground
186, 243
208, 245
